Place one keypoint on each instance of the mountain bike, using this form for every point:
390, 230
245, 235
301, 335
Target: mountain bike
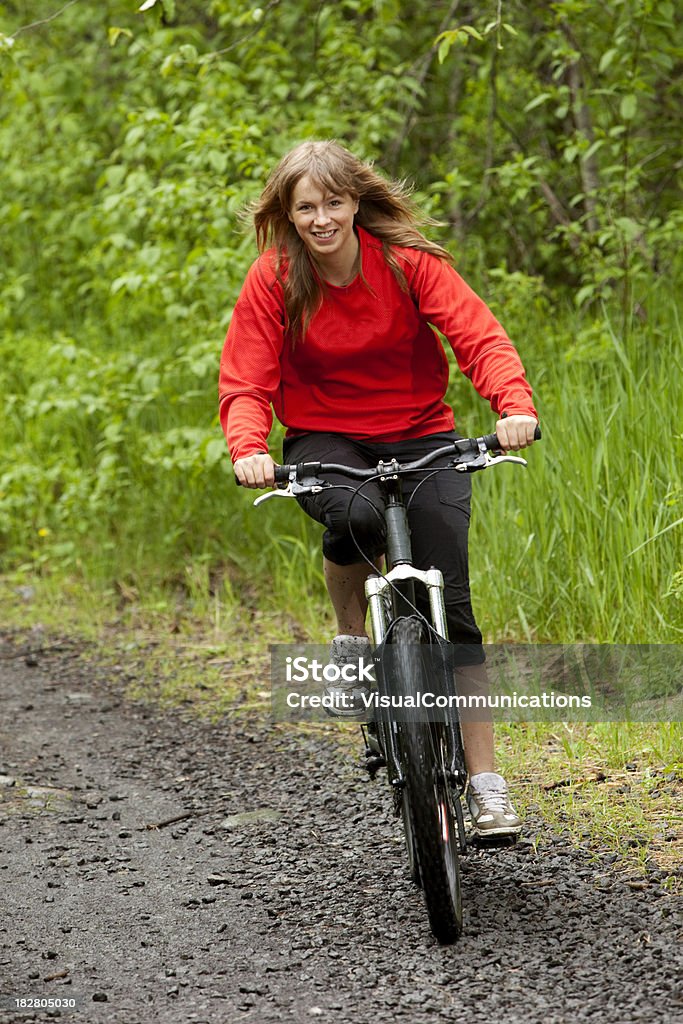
423, 753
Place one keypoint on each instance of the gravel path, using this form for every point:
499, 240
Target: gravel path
283, 895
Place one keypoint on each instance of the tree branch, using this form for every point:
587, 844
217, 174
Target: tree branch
488, 159
559, 214
588, 167
397, 145
238, 42
44, 21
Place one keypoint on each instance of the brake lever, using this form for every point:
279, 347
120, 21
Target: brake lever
484, 460
495, 460
279, 492
292, 490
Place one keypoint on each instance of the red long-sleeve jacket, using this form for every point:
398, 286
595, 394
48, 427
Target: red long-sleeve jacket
370, 364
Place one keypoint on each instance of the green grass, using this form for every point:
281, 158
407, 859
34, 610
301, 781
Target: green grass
586, 543
611, 786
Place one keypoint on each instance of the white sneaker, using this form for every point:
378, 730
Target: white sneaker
346, 697
490, 807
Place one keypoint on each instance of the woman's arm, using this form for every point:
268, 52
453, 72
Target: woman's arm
483, 350
250, 363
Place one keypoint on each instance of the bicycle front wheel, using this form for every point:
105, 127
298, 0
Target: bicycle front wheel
427, 798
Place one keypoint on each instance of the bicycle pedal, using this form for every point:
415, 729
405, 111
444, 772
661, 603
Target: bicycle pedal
493, 842
373, 762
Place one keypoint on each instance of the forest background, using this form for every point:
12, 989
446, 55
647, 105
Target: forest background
546, 139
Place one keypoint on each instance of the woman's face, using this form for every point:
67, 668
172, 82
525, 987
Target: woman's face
324, 220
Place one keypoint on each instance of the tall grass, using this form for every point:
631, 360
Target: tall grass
585, 544
115, 474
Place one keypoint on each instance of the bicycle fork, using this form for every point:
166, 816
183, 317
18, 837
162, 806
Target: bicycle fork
379, 589
397, 588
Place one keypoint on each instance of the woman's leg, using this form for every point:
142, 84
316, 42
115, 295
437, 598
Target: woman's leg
346, 587
477, 733
439, 521
354, 525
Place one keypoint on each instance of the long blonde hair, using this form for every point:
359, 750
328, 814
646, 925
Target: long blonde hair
384, 209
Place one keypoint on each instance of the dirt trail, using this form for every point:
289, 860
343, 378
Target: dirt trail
280, 893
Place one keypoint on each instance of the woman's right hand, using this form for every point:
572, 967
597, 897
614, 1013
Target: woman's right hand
255, 471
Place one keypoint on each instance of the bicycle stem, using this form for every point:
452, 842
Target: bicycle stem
398, 546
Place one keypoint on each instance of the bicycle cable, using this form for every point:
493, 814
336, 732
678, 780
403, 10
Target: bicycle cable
356, 492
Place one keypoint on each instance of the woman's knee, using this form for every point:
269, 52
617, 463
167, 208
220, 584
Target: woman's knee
350, 533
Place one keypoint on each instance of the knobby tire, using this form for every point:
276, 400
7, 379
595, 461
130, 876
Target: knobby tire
427, 797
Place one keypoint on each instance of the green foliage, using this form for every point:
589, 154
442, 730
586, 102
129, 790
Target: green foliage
544, 136
93, 443
580, 106
553, 135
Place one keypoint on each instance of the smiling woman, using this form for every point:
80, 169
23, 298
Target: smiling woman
333, 330
324, 222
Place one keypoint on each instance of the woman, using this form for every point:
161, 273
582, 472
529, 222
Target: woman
332, 328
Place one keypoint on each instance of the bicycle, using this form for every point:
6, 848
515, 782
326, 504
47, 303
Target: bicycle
424, 759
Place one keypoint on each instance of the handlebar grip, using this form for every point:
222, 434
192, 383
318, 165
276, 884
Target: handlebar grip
493, 444
281, 475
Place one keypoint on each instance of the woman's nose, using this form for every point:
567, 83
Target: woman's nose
321, 216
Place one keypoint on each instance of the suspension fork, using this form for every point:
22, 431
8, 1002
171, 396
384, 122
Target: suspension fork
393, 595
379, 590
403, 578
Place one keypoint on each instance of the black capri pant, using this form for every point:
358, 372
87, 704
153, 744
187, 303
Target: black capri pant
438, 513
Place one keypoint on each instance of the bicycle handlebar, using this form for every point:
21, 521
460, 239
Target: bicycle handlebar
464, 446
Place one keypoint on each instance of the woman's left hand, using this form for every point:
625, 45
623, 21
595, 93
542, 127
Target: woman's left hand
515, 432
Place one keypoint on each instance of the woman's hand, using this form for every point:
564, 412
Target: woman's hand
515, 432
255, 471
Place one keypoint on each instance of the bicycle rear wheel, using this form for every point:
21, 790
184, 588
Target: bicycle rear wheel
427, 798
